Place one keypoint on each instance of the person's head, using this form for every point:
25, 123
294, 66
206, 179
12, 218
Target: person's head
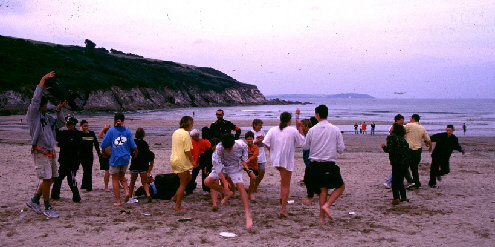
399, 119
84, 125
195, 135
321, 112
450, 129
140, 134
306, 124
257, 124
249, 136
314, 121
285, 120
118, 119
228, 141
214, 143
71, 123
415, 118
43, 104
398, 130
186, 122
219, 114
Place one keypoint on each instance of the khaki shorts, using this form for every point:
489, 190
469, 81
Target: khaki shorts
117, 169
46, 167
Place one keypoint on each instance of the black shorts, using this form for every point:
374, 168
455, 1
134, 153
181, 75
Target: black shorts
104, 164
255, 172
324, 175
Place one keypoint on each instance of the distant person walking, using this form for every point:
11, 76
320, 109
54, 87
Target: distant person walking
364, 128
464, 128
356, 128
447, 142
373, 129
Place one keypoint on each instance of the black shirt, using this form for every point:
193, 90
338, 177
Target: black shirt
445, 145
69, 142
219, 128
88, 141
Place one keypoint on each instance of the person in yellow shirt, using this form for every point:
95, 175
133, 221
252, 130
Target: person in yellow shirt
415, 134
181, 159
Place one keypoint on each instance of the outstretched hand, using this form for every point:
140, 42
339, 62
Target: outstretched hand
62, 104
45, 77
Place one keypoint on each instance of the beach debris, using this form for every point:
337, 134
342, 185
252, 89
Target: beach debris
290, 201
228, 234
145, 214
132, 200
184, 219
352, 213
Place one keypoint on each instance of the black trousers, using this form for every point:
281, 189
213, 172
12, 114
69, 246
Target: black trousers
87, 179
415, 158
57, 184
439, 167
309, 188
398, 172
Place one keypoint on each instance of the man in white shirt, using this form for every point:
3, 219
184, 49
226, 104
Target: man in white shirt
324, 141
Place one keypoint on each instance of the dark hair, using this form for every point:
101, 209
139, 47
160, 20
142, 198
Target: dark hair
140, 133
214, 141
322, 110
398, 130
249, 134
221, 111
119, 116
285, 118
398, 117
257, 121
185, 121
415, 117
313, 120
450, 126
228, 140
83, 122
44, 101
307, 122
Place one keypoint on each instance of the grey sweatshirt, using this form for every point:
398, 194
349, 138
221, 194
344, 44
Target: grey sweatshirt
42, 126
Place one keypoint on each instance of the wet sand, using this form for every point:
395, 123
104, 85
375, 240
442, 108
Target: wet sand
459, 212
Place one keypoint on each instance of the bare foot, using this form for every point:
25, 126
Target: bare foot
327, 212
249, 223
54, 200
117, 204
180, 209
174, 198
126, 198
251, 197
226, 197
308, 200
322, 220
215, 208
107, 190
283, 214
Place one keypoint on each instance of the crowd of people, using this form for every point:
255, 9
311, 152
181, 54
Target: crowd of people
222, 157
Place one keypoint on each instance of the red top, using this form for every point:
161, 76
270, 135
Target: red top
253, 153
199, 147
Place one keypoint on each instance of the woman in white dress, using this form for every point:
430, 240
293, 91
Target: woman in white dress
281, 142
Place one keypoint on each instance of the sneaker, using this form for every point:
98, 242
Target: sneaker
34, 206
50, 213
395, 201
409, 185
387, 185
132, 200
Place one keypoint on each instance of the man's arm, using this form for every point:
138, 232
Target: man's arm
340, 143
96, 144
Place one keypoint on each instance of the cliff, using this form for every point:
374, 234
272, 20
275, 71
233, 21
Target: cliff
103, 80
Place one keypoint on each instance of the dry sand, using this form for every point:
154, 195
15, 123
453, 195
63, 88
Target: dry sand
460, 212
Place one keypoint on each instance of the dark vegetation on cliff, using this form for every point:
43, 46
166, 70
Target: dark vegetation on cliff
115, 80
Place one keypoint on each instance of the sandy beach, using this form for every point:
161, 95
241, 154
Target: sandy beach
460, 212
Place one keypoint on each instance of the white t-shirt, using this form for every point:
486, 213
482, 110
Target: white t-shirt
282, 144
261, 146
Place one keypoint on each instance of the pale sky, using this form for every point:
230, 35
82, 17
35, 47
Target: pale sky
426, 49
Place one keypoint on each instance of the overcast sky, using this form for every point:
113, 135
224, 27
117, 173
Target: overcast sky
425, 49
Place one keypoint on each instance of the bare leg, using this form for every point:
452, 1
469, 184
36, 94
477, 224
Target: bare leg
44, 189
123, 181
285, 177
146, 187
116, 188
106, 179
185, 178
261, 175
232, 187
325, 206
245, 202
131, 186
252, 184
213, 184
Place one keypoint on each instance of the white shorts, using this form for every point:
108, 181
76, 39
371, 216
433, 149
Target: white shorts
46, 167
235, 177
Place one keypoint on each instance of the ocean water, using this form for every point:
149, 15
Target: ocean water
478, 114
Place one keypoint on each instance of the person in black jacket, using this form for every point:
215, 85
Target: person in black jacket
69, 141
222, 126
89, 141
141, 164
447, 142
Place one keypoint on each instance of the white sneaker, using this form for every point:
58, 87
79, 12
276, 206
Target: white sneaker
50, 213
132, 200
34, 206
409, 185
387, 185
